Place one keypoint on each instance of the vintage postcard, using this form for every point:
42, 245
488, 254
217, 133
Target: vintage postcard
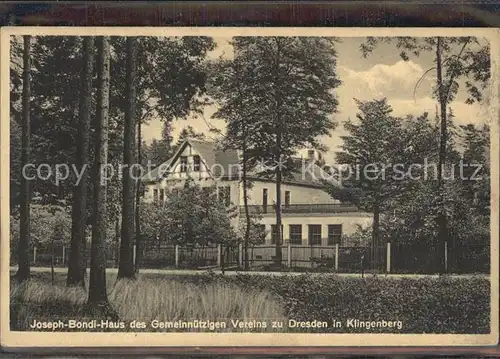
212, 187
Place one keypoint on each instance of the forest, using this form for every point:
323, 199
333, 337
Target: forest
83, 101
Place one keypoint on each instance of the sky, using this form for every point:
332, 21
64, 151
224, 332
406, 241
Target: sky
382, 74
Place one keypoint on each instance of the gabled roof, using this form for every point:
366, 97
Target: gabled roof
155, 175
311, 177
210, 154
224, 164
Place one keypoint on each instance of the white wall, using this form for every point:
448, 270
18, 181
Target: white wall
189, 152
348, 220
298, 194
176, 178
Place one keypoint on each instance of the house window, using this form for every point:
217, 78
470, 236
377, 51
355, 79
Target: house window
295, 234
334, 234
287, 198
274, 235
314, 234
196, 163
162, 195
264, 200
155, 195
184, 163
310, 154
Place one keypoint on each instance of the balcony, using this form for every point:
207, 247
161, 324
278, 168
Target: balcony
303, 208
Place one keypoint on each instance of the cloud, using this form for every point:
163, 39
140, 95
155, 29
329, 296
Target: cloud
398, 79
395, 81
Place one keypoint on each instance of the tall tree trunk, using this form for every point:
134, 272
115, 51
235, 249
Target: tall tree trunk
245, 204
126, 267
375, 236
77, 255
138, 243
278, 200
222, 259
117, 241
98, 297
278, 101
23, 272
442, 220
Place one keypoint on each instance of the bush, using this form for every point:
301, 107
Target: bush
427, 305
424, 305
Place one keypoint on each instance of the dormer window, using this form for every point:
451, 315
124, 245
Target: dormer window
196, 163
184, 163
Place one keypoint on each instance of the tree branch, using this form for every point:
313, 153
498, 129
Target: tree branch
419, 81
147, 113
453, 75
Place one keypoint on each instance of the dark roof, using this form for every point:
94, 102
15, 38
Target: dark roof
155, 174
224, 164
312, 176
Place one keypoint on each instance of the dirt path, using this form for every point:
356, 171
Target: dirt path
194, 272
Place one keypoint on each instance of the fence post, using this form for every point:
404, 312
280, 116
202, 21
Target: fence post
336, 256
134, 253
176, 255
446, 256
240, 254
388, 257
218, 255
289, 258
34, 254
63, 255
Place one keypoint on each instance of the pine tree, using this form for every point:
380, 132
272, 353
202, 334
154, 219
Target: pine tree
126, 267
98, 298
77, 257
293, 102
233, 94
375, 142
23, 272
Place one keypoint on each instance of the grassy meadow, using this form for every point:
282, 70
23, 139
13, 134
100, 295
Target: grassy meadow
146, 299
424, 305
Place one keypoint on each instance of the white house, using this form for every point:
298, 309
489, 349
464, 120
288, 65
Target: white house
309, 215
